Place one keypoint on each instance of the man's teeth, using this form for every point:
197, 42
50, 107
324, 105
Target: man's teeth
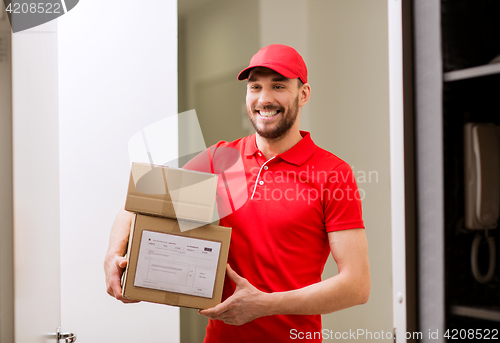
268, 113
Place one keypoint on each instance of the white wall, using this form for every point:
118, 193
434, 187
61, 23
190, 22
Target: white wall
218, 39
293, 30
348, 53
117, 74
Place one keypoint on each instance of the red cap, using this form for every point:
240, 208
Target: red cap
283, 59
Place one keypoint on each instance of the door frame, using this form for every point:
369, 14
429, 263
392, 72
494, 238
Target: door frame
404, 252
6, 205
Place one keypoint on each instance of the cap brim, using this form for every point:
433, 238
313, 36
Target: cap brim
243, 75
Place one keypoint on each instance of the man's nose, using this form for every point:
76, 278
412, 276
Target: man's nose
266, 97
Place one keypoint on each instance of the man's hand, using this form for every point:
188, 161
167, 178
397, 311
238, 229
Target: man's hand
114, 266
246, 304
114, 262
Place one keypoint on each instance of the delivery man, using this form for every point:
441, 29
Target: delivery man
303, 205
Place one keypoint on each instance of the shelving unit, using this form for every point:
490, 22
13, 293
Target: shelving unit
454, 84
469, 73
477, 312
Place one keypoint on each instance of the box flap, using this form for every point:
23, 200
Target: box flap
171, 193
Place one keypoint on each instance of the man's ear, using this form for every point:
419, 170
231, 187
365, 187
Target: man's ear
304, 94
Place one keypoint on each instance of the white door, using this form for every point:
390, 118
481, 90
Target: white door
82, 86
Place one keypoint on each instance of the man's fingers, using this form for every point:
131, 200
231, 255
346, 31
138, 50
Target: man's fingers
210, 312
220, 309
117, 293
214, 311
233, 275
114, 271
127, 301
116, 289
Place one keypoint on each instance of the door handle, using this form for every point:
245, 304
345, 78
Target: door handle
68, 337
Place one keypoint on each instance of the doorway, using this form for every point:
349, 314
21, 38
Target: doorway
348, 113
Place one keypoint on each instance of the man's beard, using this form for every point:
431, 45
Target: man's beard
282, 127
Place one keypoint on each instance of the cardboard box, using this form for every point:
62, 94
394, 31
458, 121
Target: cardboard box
177, 268
171, 193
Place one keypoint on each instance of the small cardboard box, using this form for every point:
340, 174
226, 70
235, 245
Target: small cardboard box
177, 268
171, 193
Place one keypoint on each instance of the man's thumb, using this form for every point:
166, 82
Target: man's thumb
122, 263
233, 275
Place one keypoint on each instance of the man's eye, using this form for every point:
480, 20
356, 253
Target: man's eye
279, 87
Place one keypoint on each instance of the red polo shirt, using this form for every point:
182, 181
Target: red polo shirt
279, 239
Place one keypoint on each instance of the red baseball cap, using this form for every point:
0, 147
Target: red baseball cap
283, 59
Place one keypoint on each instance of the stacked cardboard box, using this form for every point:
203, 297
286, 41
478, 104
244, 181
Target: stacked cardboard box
174, 256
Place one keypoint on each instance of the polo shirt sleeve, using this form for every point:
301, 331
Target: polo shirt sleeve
203, 161
342, 206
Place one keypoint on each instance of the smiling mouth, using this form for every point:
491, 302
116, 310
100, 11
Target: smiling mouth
268, 114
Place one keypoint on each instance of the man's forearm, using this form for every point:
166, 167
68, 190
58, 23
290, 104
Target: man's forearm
350, 287
119, 233
334, 294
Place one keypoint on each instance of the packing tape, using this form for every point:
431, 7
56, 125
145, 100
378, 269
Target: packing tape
184, 225
166, 196
172, 298
178, 228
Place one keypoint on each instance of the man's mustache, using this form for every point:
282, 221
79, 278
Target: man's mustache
269, 107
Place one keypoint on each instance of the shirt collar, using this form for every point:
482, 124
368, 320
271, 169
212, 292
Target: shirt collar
298, 154
251, 146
